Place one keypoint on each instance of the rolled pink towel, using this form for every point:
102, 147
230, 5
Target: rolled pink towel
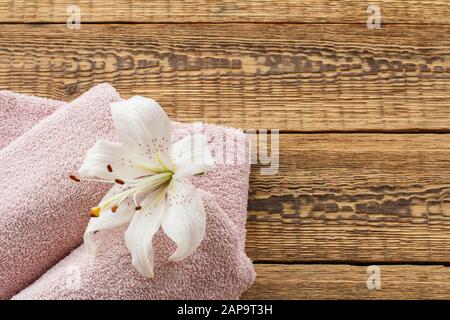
43, 214
218, 269
19, 112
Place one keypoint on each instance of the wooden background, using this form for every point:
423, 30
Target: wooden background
364, 117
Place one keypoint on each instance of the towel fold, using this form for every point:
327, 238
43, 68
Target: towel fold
44, 215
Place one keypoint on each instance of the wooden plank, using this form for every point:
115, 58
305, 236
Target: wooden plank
291, 77
302, 11
349, 282
353, 197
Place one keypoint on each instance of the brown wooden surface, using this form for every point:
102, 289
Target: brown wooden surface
349, 282
301, 11
290, 77
373, 193
353, 197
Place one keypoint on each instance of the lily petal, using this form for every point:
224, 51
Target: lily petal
107, 220
191, 155
109, 160
185, 219
139, 236
142, 125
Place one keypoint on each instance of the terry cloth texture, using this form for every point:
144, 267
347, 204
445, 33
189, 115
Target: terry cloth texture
43, 214
218, 269
19, 112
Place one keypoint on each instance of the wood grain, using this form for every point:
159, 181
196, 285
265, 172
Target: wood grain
291, 77
298, 66
349, 282
353, 197
301, 11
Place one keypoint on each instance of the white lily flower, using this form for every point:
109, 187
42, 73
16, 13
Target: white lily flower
152, 188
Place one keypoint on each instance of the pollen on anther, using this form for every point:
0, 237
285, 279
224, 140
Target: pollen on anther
74, 178
95, 212
119, 181
114, 208
138, 208
109, 167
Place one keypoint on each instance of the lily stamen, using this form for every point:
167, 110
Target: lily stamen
74, 178
77, 179
135, 187
95, 212
119, 181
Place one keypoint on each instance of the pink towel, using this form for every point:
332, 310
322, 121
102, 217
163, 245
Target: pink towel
218, 269
51, 222
19, 112
43, 214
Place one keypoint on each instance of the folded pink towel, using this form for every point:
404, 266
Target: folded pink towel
19, 112
43, 214
218, 269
